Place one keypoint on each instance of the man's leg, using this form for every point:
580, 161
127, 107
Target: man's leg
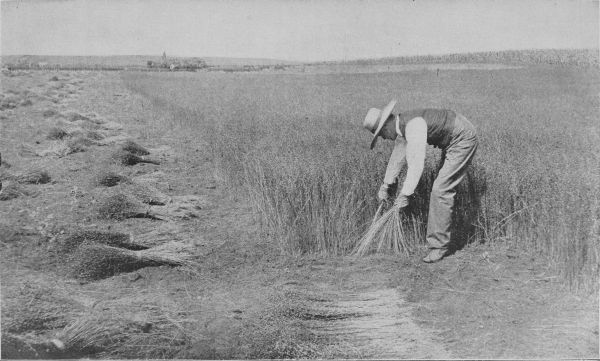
458, 156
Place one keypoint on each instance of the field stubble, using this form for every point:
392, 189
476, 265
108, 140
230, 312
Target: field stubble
293, 144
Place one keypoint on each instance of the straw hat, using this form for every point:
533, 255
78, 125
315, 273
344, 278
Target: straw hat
375, 120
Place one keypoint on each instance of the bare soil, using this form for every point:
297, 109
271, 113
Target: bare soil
246, 300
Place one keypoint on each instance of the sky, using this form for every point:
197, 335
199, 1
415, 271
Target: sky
299, 30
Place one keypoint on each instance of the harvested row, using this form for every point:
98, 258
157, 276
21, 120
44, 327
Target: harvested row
94, 254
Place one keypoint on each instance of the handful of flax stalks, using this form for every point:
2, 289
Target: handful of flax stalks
388, 233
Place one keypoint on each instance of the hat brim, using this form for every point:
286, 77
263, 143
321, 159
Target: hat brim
385, 113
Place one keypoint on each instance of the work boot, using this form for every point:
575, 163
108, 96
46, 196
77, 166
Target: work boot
435, 255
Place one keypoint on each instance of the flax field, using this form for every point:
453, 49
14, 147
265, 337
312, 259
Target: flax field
292, 145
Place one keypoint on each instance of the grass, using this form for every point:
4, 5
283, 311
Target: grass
293, 146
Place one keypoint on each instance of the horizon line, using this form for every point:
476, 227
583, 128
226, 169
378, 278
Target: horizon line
310, 61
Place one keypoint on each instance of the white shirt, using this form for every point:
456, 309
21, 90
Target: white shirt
409, 148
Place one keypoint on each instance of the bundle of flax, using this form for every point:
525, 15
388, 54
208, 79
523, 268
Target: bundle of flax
96, 261
386, 233
95, 333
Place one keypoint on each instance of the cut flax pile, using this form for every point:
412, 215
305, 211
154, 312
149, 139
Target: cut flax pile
142, 332
90, 335
25, 346
87, 134
141, 190
389, 233
126, 158
182, 207
115, 239
57, 133
74, 116
94, 135
134, 148
108, 178
35, 306
50, 113
29, 176
81, 142
121, 206
33, 176
91, 121
63, 131
11, 190
145, 193
100, 333
93, 262
27, 150
59, 149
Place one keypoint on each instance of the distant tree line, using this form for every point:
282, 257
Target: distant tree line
577, 57
191, 64
247, 68
46, 66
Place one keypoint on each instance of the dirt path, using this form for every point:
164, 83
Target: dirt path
373, 321
356, 308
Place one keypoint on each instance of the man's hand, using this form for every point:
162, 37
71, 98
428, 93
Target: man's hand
401, 201
385, 192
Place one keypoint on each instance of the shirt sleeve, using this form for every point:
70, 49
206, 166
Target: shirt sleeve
396, 162
416, 146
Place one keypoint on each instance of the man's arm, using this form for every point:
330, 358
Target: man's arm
416, 146
396, 162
